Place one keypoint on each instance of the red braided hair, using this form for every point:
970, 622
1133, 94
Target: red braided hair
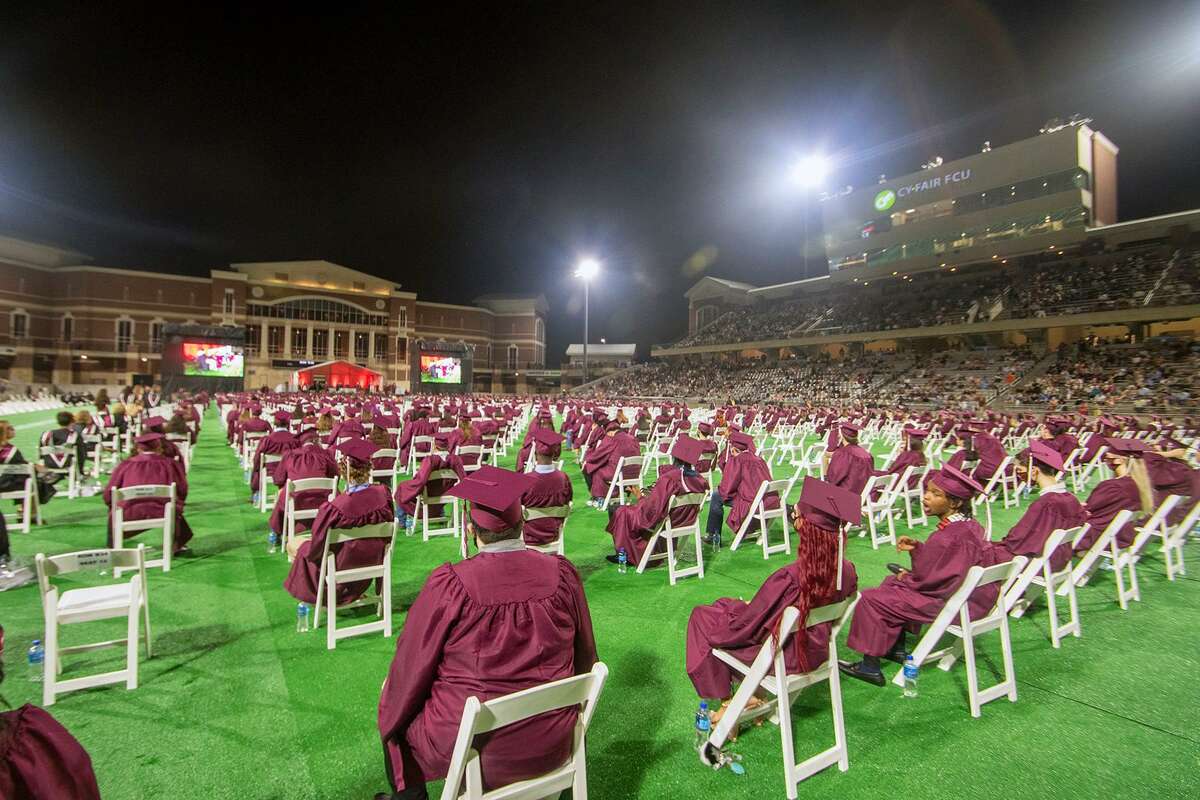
816, 576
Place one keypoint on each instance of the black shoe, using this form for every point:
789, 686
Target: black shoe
856, 670
897, 656
894, 568
613, 559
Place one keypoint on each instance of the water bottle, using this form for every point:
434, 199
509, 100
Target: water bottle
302, 618
37, 657
272, 543
910, 677
622, 561
703, 724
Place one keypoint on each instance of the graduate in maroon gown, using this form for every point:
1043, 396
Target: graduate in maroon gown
600, 467
741, 478
851, 466
253, 424
39, 758
551, 488
991, 453
1130, 489
543, 421
632, 526
913, 455
809, 582
1171, 474
1056, 437
278, 442
148, 467
309, 460
1054, 508
363, 503
435, 464
917, 595
501, 621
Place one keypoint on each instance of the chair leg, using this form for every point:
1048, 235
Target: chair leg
146, 621
1010, 676
132, 637
50, 664
839, 718
1052, 614
968, 643
331, 613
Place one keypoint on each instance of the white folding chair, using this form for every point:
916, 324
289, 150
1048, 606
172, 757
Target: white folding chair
988, 495
265, 481
30, 511
183, 443
546, 512
909, 494
391, 473
1124, 560
419, 449
464, 778
620, 482
1095, 465
667, 533
449, 505
121, 526
1082, 571
88, 604
291, 514
1071, 468
249, 445
878, 511
967, 629
1173, 541
768, 672
759, 517
475, 453
63, 457
330, 576
1039, 572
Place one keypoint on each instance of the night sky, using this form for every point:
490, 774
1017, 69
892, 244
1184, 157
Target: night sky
486, 150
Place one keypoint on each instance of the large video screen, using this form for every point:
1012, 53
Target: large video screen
212, 360
441, 369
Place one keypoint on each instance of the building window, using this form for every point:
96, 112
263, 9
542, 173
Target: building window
299, 341
274, 340
381, 348
228, 307
320, 343
513, 354
341, 344
705, 316
401, 348
317, 310
124, 334
253, 332
68, 328
361, 343
539, 330
156, 336
402, 319
19, 323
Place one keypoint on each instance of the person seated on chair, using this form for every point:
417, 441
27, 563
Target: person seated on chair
504, 620
990, 453
632, 526
279, 442
550, 488
253, 424
1053, 434
9, 454
1104, 427
851, 466
466, 435
600, 466
741, 478
1054, 509
811, 581
62, 436
325, 427
39, 758
915, 596
307, 460
1130, 489
408, 491
913, 455
363, 503
419, 426
149, 467
543, 421
379, 437
1170, 473
177, 425
349, 428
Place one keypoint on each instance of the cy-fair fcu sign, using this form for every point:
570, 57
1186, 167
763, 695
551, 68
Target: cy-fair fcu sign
886, 198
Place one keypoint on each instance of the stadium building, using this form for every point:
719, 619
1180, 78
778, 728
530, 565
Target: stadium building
66, 322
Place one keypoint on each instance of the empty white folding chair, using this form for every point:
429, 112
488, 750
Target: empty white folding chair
62, 462
292, 515
545, 512
669, 535
878, 509
265, 481
758, 519
768, 673
127, 599
25, 493
166, 522
628, 475
1039, 572
967, 629
390, 475
330, 576
449, 505
464, 778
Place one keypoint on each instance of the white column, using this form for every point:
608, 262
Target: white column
371, 346
287, 340
308, 344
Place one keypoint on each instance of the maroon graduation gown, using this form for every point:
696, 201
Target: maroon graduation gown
1108, 499
252, 425
420, 427
149, 468
41, 760
906, 459
1063, 443
741, 628
494, 624
740, 479
604, 468
275, 443
1050, 512
991, 453
549, 489
850, 468
408, 491
631, 526
1170, 476
350, 510
306, 461
939, 565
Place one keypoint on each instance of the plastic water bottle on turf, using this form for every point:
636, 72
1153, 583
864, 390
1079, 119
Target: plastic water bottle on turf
622, 561
37, 658
910, 677
302, 618
703, 724
272, 543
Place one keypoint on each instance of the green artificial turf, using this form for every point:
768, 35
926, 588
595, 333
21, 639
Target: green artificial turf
236, 704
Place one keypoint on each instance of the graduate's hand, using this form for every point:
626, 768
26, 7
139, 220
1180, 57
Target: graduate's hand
902, 574
906, 544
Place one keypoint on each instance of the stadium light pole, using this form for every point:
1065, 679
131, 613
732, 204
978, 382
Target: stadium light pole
808, 173
586, 270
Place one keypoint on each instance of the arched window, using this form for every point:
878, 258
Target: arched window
513, 354
124, 334
539, 331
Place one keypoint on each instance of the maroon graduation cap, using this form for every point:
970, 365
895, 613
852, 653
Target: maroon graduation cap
827, 506
1127, 447
955, 482
547, 442
742, 441
1045, 455
358, 451
495, 496
687, 450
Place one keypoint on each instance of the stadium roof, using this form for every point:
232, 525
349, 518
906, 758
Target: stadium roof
603, 350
